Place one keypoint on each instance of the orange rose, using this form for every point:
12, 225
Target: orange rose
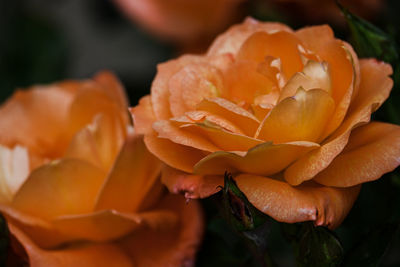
78, 186
182, 21
287, 112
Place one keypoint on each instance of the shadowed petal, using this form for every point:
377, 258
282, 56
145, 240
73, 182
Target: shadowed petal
193, 186
131, 177
326, 206
264, 159
84, 255
177, 156
175, 247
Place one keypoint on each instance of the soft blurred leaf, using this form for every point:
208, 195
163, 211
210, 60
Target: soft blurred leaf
371, 248
370, 41
314, 246
222, 246
244, 217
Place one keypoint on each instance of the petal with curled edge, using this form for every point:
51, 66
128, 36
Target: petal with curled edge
160, 86
112, 85
314, 75
326, 206
281, 44
92, 100
68, 186
299, 118
264, 159
174, 247
134, 173
192, 186
224, 140
325, 34
233, 38
167, 130
245, 120
177, 156
375, 87
83, 255
372, 150
143, 116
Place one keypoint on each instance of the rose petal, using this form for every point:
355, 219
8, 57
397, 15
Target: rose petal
92, 100
132, 176
314, 75
166, 129
264, 159
233, 38
299, 118
281, 44
176, 247
83, 147
177, 156
41, 111
223, 139
143, 116
160, 89
372, 150
68, 186
326, 206
193, 186
99, 142
111, 84
107, 225
85, 255
375, 87
343, 64
243, 82
191, 85
246, 121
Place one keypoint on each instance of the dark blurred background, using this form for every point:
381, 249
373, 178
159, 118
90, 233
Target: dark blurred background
42, 41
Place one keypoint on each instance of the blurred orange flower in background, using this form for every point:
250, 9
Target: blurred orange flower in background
78, 186
181, 21
287, 112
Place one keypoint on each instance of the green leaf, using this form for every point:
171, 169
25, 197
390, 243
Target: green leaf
370, 249
314, 246
369, 40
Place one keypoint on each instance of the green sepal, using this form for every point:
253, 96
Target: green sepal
240, 212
